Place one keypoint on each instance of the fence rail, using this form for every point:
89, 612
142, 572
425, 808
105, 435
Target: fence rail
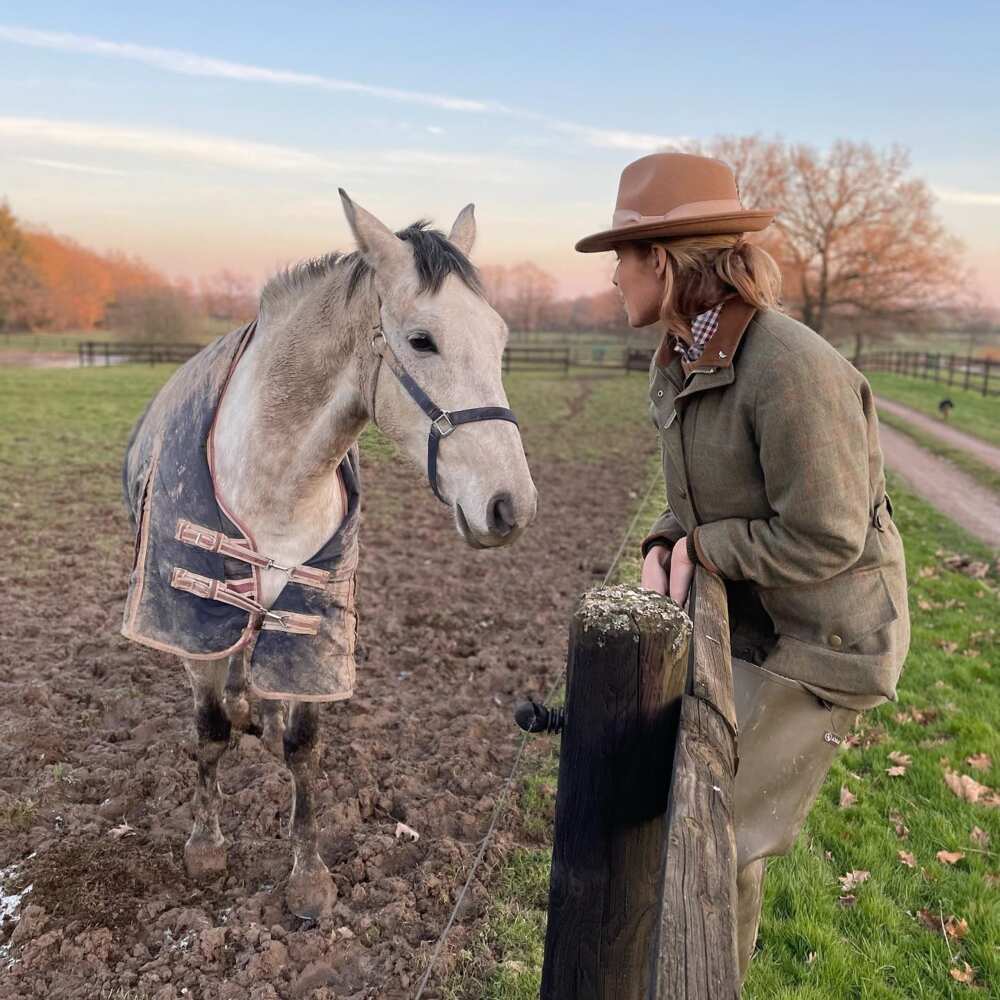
110, 352
515, 358
965, 371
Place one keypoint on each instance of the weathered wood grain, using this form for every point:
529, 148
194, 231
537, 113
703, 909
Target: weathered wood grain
627, 671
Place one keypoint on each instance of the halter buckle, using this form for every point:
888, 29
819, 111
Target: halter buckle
443, 425
375, 336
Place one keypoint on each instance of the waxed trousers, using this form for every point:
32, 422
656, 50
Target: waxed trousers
788, 739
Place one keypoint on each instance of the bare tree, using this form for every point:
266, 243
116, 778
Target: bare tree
228, 295
859, 243
158, 315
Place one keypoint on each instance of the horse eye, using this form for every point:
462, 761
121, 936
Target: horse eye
422, 343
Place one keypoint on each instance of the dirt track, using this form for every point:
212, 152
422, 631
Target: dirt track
988, 454
944, 485
97, 770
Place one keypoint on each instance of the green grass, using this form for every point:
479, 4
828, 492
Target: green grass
973, 413
811, 947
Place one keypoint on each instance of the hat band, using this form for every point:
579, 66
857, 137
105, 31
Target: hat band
693, 209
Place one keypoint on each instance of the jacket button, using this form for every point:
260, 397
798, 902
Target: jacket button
836, 641
659, 392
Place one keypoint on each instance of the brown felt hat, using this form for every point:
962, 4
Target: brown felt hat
676, 194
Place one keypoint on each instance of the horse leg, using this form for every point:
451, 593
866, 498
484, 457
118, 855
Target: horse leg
311, 891
273, 726
205, 851
236, 702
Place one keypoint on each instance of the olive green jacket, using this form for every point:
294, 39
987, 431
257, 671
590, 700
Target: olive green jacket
772, 462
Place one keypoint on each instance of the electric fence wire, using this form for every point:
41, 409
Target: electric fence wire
498, 809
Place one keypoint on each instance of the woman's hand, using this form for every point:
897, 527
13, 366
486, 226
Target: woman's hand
655, 567
681, 572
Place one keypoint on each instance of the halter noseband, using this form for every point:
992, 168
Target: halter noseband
443, 422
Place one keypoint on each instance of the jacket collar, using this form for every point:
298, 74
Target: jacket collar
719, 348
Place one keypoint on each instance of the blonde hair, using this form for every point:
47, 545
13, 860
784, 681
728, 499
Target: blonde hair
704, 270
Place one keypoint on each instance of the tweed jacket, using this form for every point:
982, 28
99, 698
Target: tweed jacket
774, 470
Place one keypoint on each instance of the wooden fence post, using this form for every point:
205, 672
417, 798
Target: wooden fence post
627, 667
643, 890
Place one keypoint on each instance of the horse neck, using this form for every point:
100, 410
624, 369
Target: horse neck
290, 413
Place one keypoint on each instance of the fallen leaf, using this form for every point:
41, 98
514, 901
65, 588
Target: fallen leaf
847, 797
927, 571
929, 920
979, 761
956, 928
900, 758
925, 605
965, 975
902, 830
122, 830
992, 879
810, 958
971, 790
979, 837
947, 645
402, 830
949, 857
937, 741
907, 858
847, 901
895, 772
853, 879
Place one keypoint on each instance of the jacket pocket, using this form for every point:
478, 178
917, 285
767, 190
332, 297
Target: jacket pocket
848, 612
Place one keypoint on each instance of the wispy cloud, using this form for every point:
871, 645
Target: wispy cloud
955, 196
248, 155
78, 168
193, 64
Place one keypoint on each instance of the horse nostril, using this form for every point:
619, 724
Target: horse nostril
500, 515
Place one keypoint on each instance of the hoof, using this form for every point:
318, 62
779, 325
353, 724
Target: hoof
204, 857
311, 891
238, 712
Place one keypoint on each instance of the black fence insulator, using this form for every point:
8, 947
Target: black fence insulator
534, 717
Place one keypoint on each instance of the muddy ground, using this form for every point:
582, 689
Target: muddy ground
96, 769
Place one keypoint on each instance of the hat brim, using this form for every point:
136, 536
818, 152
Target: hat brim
732, 223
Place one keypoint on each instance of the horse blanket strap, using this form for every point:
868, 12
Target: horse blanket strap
239, 548
443, 422
198, 573
222, 590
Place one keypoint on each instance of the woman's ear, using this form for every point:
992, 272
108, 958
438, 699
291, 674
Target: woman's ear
661, 261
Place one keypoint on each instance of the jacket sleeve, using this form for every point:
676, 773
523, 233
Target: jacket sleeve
666, 530
812, 437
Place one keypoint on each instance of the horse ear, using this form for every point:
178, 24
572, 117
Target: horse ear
463, 230
384, 250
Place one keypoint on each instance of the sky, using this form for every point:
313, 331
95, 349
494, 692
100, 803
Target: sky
202, 136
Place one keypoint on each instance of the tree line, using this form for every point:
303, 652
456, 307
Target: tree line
861, 249
51, 282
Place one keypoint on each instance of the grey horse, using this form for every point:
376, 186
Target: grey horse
248, 457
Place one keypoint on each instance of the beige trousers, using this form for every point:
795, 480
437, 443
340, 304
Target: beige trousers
788, 739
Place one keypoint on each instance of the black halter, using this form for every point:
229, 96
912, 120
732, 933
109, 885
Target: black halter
443, 422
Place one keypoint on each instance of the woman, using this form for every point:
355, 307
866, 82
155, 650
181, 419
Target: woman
774, 482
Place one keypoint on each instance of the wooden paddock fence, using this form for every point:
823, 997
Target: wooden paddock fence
642, 895
965, 371
110, 352
515, 358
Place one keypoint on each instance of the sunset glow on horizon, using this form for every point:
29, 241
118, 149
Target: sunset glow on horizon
224, 148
